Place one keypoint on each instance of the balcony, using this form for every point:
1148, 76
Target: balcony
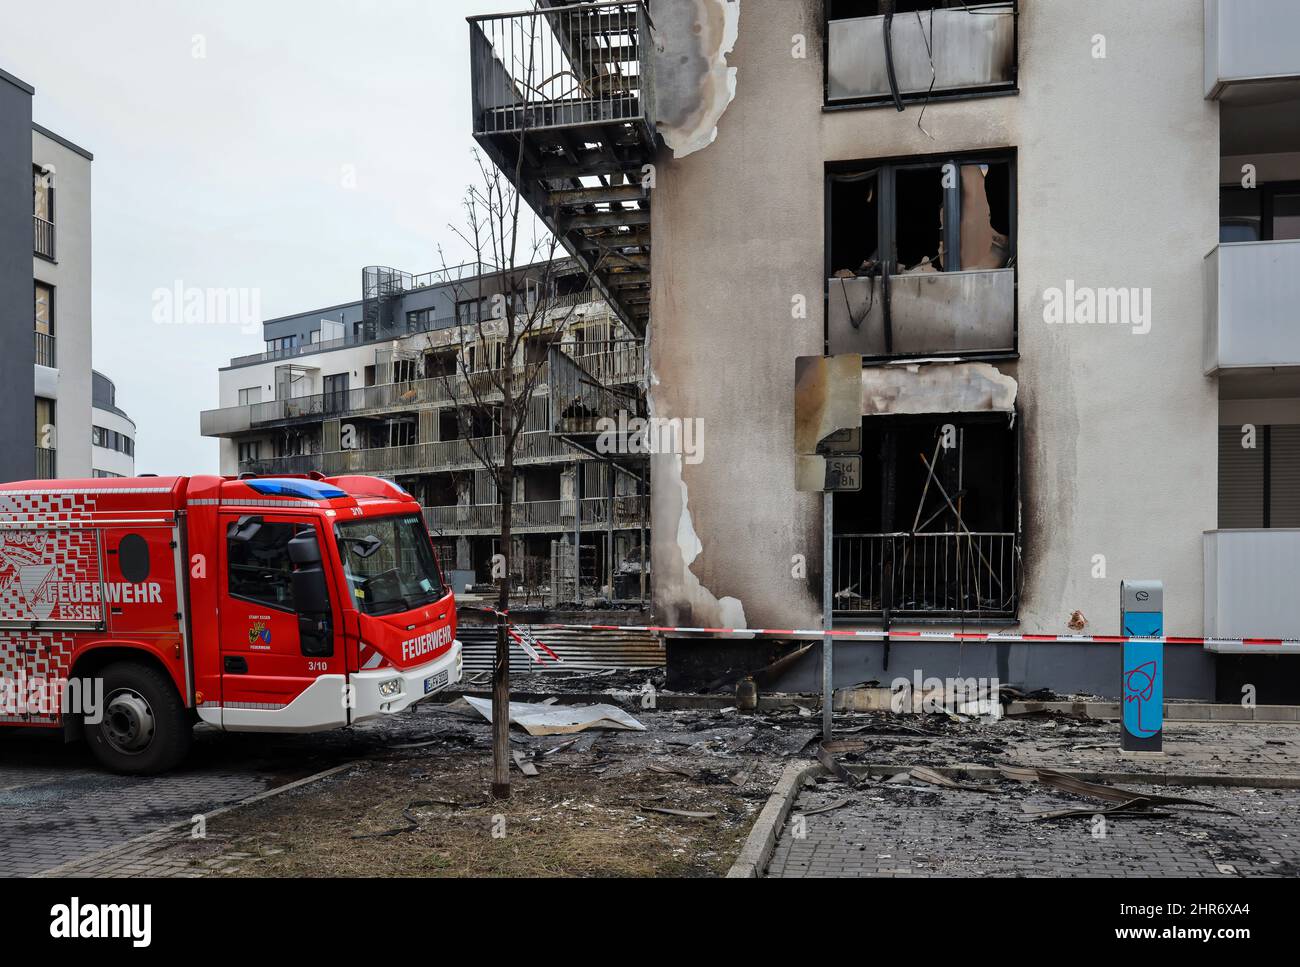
45, 350
408, 395
43, 237
1252, 50
616, 363
962, 50
417, 458
537, 516
930, 314
1251, 293
1250, 587
576, 82
46, 463
587, 394
958, 576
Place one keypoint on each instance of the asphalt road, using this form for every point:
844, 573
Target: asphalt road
57, 805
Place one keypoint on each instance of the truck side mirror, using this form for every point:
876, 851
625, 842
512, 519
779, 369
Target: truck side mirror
304, 550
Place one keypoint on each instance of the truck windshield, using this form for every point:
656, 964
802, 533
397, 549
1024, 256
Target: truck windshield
389, 564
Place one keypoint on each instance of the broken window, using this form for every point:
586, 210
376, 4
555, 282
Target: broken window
935, 529
893, 51
891, 222
404, 370
438, 364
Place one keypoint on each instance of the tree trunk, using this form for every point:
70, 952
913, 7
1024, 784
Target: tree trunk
501, 675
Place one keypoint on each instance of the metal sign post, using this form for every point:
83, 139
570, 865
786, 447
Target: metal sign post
828, 612
828, 455
1142, 683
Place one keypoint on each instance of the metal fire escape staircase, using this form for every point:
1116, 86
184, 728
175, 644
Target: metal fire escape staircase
563, 105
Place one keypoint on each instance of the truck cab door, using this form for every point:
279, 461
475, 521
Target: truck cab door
280, 628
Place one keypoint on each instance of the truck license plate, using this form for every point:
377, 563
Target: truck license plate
435, 683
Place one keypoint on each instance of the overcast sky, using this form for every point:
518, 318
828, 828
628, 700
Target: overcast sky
276, 146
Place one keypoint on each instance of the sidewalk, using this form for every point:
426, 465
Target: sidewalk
894, 825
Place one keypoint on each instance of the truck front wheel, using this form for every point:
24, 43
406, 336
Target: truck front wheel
143, 727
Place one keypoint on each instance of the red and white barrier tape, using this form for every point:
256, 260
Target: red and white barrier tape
875, 634
892, 635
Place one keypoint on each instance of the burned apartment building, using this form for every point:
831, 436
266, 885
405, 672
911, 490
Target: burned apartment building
400, 384
1062, 237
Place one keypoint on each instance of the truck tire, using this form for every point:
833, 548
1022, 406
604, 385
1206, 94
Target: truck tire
144, 728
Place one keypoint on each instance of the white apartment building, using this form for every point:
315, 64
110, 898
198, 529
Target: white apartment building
383, 386
61, 272
1065, 239
112, 432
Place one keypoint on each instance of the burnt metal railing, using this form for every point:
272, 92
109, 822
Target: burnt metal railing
627, 512
942, 575
569, 66
581, 401
415, 458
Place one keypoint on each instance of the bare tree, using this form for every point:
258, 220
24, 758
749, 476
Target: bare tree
514, 298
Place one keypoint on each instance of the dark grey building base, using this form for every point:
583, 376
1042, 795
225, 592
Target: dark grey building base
1067, 669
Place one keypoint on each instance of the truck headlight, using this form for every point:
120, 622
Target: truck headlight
390, 688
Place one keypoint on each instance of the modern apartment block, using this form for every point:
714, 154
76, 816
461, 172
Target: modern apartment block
388, 384
1064, 240
112, 433
45, 390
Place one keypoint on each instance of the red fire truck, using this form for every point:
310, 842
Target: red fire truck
287, 604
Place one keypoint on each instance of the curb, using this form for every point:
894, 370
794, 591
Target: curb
760, 843
1173, 711
881, 770
672, 702
167, 831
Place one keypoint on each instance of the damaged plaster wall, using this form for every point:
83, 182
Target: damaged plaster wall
693, 84
936, 388
734, 543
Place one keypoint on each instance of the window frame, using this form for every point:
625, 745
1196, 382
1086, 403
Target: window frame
1267, 192
299, 526
886, 230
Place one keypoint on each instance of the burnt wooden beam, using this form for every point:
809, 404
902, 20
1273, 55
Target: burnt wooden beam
604, 220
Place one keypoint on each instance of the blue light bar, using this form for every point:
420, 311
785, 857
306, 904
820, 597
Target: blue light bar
305, 489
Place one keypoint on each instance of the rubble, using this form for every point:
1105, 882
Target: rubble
548, 719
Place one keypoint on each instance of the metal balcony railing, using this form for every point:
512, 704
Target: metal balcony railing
45, 350
580, 399
943, 575
966, 49
555, 515
566, 66
618, 361
930, 313
414, 458
411, 394
609, 363
43, 237
46, 463
1252, 289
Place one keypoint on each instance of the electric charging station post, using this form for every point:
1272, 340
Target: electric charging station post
1142, 679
